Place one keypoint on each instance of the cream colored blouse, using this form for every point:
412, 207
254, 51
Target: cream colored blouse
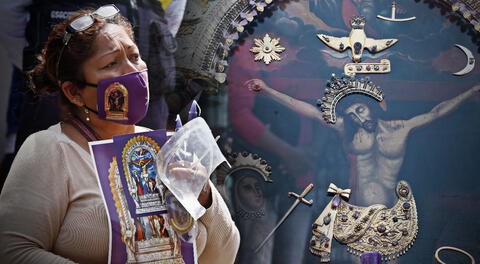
51, 209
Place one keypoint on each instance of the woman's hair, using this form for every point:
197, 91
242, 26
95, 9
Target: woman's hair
43, 78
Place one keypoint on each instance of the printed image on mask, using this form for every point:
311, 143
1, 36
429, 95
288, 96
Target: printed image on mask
124, 99
116, 102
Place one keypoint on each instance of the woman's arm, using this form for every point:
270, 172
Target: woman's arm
218, 238
33, 203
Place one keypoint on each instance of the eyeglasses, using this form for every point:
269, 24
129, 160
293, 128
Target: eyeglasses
82, 23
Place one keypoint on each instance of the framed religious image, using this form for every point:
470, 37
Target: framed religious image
364, 94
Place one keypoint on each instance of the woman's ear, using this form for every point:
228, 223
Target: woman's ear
71, 92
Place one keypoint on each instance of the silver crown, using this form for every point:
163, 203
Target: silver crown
358, 22
339, 87
244, 161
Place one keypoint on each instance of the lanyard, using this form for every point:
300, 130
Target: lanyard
84, 129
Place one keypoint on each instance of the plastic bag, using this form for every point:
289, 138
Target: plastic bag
186, 161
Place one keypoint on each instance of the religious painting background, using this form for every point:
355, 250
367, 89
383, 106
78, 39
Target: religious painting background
440, 159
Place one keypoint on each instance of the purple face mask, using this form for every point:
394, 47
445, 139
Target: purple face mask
123, 99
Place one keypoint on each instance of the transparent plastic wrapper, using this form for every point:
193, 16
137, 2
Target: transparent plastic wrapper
186, 161
180, 219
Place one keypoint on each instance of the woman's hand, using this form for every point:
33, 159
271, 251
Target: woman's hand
205, 197
184, 169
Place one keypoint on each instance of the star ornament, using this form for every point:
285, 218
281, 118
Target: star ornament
267, 50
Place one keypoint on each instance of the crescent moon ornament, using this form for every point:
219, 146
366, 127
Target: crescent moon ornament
470, 61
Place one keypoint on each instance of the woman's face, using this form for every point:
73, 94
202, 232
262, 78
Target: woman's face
115, 54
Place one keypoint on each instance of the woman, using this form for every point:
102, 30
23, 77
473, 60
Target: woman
51, 209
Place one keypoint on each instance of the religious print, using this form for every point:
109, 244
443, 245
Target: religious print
116, 102
138, 168
135, 239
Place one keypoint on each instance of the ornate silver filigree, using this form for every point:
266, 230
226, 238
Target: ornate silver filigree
339, 87
469, 9
376, 228
244, 161
209, 30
